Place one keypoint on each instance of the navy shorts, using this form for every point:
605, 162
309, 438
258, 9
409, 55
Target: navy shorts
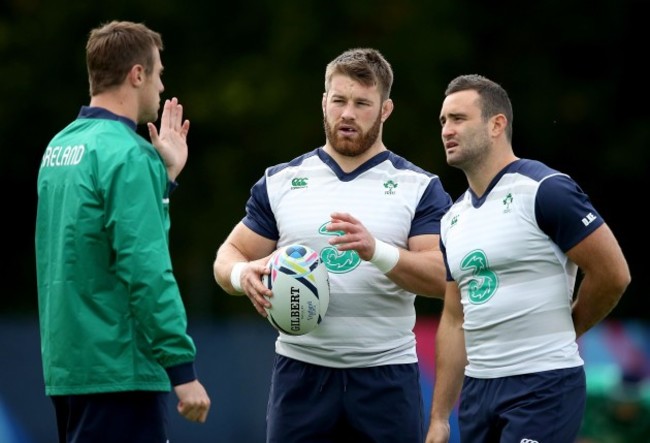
316, 404
540, 407
134, 417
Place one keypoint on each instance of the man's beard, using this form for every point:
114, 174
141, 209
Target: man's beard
353, 147
475, 151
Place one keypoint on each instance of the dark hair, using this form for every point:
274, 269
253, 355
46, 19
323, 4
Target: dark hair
493, 99
114, 48
364, 65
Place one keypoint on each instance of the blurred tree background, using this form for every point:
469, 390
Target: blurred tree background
250, 75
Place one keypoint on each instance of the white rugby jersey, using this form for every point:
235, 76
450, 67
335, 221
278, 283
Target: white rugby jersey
370, 319
506, 250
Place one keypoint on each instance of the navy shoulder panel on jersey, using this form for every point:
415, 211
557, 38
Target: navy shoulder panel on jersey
533, 169
272, 170
563, 210
259, 215
402, 163
434, 203
529, 168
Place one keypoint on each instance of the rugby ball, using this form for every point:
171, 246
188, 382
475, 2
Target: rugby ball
301, 292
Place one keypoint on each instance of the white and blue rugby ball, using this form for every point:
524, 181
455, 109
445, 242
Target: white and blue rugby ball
301, 290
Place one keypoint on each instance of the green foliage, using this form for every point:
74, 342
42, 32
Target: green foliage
250, 75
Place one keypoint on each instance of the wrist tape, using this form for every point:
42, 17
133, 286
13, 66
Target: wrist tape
385, 257
235, 276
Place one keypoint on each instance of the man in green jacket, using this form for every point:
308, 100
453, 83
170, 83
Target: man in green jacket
113, 326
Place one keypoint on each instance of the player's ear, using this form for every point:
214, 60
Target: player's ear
386, 109
498, 124
136, 75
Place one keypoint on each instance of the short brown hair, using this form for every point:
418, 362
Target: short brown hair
493, 98
364, 65
112, 50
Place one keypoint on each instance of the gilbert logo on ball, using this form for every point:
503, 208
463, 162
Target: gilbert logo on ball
301, 291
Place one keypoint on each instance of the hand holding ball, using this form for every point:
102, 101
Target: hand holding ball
301, 292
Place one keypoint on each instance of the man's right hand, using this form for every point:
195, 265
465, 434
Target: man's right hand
193, 401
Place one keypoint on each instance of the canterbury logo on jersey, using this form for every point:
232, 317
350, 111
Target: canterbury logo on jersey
528, 440
299, 182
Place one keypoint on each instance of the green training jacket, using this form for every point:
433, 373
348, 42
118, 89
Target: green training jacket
110, 311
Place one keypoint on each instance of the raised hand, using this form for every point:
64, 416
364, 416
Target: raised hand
171, 142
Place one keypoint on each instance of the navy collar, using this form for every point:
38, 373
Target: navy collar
96, 112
